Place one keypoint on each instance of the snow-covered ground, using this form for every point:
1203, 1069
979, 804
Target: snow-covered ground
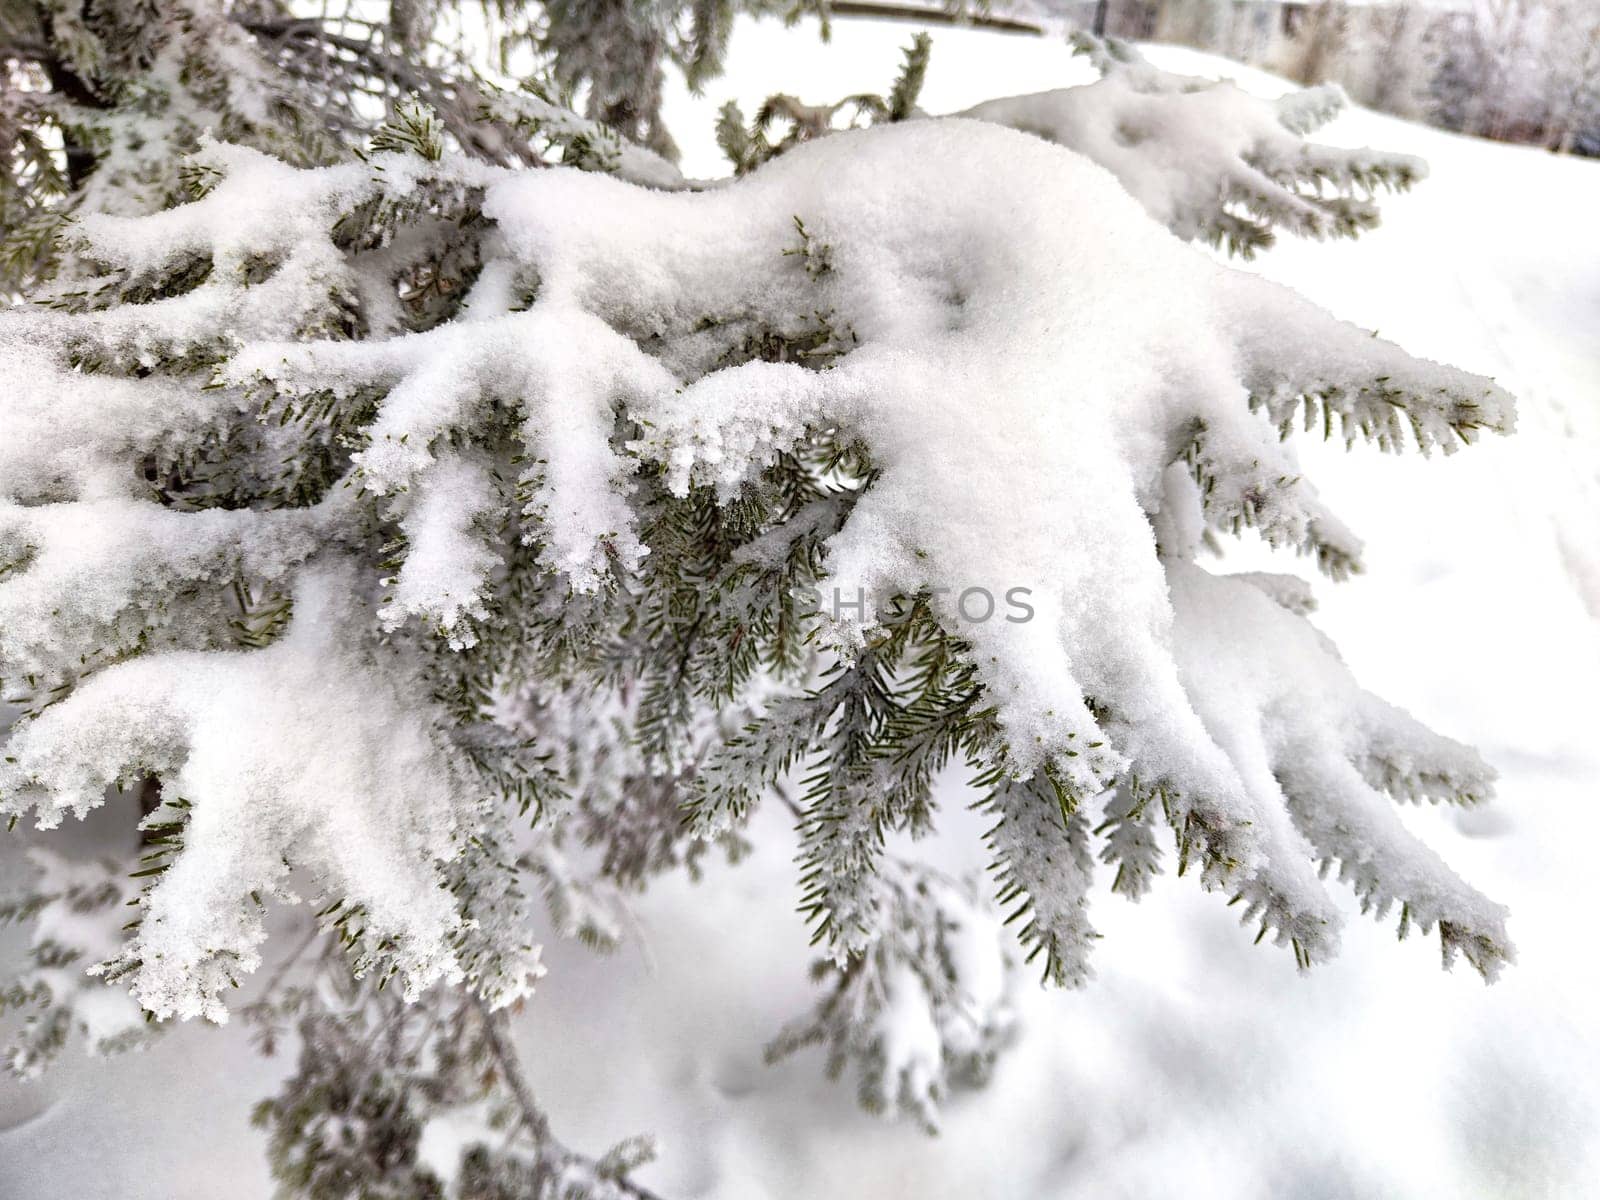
1196, 1064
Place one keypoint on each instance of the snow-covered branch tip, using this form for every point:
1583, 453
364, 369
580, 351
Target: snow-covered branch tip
1206, 158
925, 1009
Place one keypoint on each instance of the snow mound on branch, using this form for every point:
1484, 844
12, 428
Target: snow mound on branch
62, 427
997, 355
90, 580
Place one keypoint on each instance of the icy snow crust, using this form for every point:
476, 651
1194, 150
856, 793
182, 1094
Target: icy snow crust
1023, 397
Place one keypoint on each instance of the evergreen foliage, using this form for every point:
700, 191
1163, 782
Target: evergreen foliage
462, 516
747, 148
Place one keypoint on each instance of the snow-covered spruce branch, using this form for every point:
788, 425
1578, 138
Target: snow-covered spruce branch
393, 445
105, 101
1207, 159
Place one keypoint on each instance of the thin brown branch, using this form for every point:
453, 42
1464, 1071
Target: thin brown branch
552, 1155
933, 16
496, 1034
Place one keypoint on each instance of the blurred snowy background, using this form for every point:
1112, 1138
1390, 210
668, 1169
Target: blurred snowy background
1195, 1064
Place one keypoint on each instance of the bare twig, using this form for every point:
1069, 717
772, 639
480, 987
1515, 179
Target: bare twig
552, 1155
933, 16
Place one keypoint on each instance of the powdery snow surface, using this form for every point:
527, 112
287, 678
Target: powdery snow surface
1195, 1062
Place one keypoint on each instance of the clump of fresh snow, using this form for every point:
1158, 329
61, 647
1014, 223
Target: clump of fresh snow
565, 369
92, 579
446, 566
64, 427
